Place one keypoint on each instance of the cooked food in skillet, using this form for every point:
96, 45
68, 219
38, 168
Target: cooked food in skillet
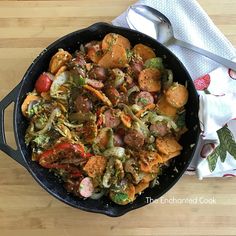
106, 119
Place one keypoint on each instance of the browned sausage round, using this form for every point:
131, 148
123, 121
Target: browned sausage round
111, 118
134, 139
118, 141
83, 104
95, 83
99, 73
113, 94
136, 67
159, 129
80, 60
144, 98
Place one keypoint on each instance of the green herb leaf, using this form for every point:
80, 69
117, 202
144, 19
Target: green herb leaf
212, 159
129, 54
121, 197
222, 153
154, 63
227, 140
78, 80
41, 140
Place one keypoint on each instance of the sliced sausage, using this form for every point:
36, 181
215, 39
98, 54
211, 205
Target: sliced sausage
118, 141
177, 95
134, 139
83, 104
80, 60
113, 94
129, 82
112, 119
86, 187
144, 98
136, 67
95, 83
159, 129
150, 80
98, 72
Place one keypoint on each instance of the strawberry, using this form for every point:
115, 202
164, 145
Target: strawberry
203, 82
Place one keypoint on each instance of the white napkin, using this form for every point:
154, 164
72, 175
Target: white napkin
193, 25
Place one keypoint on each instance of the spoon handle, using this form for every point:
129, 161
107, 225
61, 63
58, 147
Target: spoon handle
221, 60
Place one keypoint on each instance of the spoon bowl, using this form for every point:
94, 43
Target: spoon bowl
153, 23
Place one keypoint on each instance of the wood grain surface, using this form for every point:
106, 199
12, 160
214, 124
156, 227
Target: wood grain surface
191, 207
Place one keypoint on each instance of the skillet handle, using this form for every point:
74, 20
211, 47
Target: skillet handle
6, 101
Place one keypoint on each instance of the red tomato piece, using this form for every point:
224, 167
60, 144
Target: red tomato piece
43, 83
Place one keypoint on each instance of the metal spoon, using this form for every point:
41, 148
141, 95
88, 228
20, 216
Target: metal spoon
153, 23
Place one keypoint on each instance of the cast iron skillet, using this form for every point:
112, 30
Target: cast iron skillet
47, 180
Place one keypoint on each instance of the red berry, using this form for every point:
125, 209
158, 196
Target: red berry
203, 82
43, 82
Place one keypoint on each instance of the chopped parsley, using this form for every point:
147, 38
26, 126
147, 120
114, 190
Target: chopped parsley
121, 197
154, 63
36, 108
78, 80
129, 54
41, 140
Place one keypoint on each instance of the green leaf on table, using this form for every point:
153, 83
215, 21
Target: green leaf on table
227, 144
227, 140
212, 159
222, 153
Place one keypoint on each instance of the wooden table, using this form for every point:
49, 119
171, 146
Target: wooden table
26, 27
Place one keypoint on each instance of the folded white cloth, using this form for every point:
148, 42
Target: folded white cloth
192, 24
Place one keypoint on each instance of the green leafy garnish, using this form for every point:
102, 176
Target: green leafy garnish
36, 108
129, 54
120, 197
78, 80
154, 63
41, 140
81, 80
